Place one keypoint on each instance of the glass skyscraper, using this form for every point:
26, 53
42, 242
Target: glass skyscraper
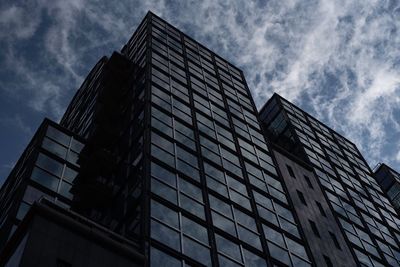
174, 157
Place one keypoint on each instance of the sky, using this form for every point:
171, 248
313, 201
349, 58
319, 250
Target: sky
337, 60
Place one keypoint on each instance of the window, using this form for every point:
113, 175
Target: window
321, 209
290, 170
335, 240
165, 184
58, 136
54, 148
275, 213
308, 182
285, 249
49, 164
179, 233
45, 179
301, 197
228, 249
159, 258
314, 228
359, 237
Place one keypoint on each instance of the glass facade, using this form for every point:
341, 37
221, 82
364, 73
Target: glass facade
176, 160
211, 170
389, 180
47, 169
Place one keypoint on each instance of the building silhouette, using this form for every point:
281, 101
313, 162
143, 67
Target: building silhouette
162, 159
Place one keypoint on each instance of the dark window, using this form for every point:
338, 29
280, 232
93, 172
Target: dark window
328, 261
321, 209
290, 170
314, 228
308, 181
335, 240
301, 197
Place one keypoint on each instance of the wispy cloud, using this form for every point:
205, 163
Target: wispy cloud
340, 60
16, 122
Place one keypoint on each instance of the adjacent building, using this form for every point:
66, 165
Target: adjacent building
47, 168
338, 177
163, 153
389, 180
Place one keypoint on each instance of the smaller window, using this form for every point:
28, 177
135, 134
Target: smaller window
301, 197
321, 209
290, 170
335, 240
308, 182
328, 261
314, 228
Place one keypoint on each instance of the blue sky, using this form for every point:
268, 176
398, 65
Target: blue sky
338, 60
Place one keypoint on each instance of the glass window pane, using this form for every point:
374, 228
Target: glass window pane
188, 170
73, 157
192, 206
279, 254
163, 155
76, 145
69, 174
194, 230
223, 223
220, 206
54, 148
190, 189
162, 143
58, 136
165, 235
229, 248
252, 260
186, 156
249, 237
164, 191
164, 214
65, 190
274, 236
196, 251
161, 259
296, 248
163, 174
45, 179
225, 262
49, 164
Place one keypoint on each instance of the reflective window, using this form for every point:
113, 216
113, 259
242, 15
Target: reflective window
285, 249
179, 233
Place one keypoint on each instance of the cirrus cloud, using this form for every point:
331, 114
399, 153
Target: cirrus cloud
339, 60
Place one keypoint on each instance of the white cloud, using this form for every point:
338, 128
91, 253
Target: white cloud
338, 59
16, 22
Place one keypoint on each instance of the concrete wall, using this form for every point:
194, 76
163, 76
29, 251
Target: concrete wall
323, 245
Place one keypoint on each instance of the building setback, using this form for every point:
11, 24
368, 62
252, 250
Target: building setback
176, 166
389, 180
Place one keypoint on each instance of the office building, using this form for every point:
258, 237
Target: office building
337, 177
47, 168
389, 180
174, 165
